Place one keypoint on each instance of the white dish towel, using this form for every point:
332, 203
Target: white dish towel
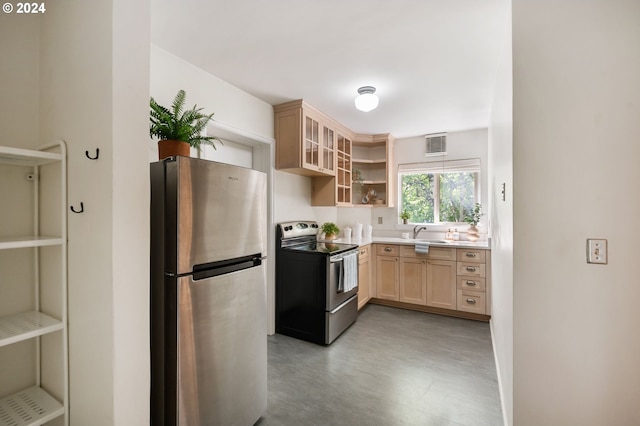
350, 269
422, 247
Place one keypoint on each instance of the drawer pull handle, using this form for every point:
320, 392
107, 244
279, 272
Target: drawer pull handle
363, 251
470, 254
388, 249
471, 268
471, 283
471, 301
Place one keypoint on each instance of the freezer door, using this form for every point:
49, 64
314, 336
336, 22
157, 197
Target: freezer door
219, 211
222, 349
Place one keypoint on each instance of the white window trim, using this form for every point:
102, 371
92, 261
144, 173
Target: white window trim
443, 166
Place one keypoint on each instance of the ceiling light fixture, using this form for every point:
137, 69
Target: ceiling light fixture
366, 100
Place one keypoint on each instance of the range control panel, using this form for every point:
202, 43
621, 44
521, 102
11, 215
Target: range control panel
298, 229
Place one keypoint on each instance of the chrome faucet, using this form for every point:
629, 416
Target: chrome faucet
417, 229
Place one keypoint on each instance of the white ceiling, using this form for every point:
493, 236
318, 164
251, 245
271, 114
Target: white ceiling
433, 62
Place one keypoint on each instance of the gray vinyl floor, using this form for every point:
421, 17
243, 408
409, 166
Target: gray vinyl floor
392, 367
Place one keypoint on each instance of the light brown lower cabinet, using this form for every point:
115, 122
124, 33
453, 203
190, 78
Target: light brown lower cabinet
474, 271
413, 280
441, 284
364, 276
387, 277
454, 279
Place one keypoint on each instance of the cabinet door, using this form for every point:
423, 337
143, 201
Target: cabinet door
413, 280
387, 274
328, 150
441, 284
343, 170
311, 152
364, 283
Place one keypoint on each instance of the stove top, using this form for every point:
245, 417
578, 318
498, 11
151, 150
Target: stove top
301, 236
323, 248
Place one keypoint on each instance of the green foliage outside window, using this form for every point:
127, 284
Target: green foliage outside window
453, 192
417, 197
457, 196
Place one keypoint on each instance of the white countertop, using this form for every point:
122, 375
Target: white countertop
409, 241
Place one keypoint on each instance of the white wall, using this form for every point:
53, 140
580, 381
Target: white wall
576, 86
94, 94
19, 71
75, 102
232, 107
501, 214
130, 209
293, 197
460, 145
19, 44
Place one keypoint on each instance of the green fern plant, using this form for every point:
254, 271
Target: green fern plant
179, 125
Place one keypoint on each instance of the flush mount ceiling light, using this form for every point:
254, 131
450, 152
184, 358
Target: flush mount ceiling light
366, 100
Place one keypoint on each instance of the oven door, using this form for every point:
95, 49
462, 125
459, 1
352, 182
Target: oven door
342, 269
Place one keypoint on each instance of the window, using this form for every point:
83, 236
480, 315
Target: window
439, 192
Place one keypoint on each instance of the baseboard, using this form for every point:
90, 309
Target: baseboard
430, 310
505, 420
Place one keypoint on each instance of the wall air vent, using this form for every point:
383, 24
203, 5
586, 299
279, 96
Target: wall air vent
436, 144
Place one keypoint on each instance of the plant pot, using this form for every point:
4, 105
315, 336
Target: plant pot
405, 221
329, 236
169, 148
473, 234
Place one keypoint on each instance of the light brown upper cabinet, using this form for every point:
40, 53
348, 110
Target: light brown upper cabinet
311, 143
335, 190
305, 140
372, 160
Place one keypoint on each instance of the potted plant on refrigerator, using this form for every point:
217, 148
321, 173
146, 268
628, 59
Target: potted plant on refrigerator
330, 230
177, 129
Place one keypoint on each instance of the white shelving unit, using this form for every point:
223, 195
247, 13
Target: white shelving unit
34, 405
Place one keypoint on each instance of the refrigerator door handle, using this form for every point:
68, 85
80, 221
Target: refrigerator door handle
223, 267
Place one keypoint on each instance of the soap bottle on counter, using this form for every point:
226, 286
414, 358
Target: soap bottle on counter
456, 235
448, 235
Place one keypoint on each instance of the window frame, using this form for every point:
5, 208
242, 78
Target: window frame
471, 165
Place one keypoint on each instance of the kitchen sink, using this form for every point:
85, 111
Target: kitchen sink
433, 241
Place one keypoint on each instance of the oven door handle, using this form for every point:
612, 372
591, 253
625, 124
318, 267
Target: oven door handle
338, 266
342, 305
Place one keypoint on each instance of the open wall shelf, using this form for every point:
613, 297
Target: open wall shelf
47, 398
29, 407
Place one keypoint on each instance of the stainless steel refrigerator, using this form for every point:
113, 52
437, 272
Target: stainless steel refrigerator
208, 296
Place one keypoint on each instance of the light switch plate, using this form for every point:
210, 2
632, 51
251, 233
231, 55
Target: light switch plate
597, 251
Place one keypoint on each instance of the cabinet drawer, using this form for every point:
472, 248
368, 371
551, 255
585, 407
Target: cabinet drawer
387, 250
471, 255
472, 301
471, 283
435, 253
471, 269
363, 253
